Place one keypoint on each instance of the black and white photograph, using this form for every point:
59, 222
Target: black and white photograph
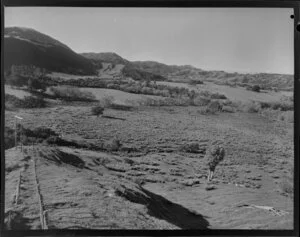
148, 118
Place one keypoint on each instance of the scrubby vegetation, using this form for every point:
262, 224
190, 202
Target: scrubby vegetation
16, 80
106, 101
281, 105
97, 110
282, 109
48, 136
287, 186
255, 88
212, 108
136, 87
27, 76
192, 147
195, 82
9, 138
138, 75
27, 136
40, 132
265, 81
113, 144
27, 102
218, 96
249, 107
36, 85
71, 94
41, 135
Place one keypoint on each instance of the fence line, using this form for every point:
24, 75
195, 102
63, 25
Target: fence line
18, 188
42, 212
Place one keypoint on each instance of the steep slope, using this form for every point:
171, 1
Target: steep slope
30, 47
33, 36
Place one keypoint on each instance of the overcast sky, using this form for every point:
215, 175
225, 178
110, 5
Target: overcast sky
229, 39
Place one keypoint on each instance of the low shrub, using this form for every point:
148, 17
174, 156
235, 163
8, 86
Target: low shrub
287, 186
192, 147
228, 109
97, 110
106, 101
36, 85
205, 110
218, 96
214, 106
195, 82
250, 107
255, 88
113, 145
201, 100
121, 107
202, 110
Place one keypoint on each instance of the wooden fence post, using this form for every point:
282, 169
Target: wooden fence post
18, 188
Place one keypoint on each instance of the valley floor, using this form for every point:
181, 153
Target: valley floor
159, 187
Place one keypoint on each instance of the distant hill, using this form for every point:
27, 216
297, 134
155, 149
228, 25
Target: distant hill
187, 72
265, 80
171, 72
24, 46
160, 68
151, 70
107, 57
128, 68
